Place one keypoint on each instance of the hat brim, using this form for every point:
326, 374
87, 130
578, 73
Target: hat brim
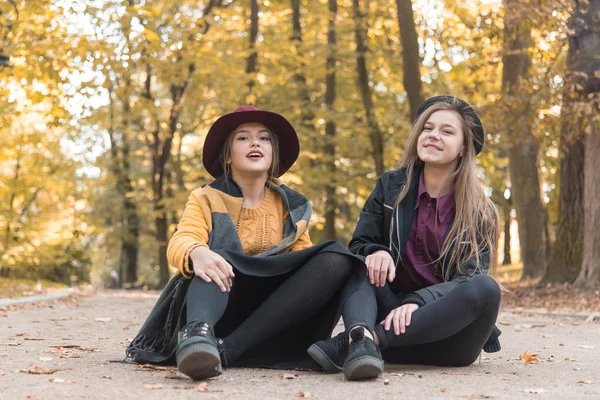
289, 147
479, 138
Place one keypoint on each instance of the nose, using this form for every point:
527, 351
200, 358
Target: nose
255, 142
434, 134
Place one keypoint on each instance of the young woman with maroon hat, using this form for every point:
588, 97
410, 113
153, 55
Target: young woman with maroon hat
249, 273
428, 233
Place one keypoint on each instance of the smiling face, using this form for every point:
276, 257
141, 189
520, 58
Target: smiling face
442, 140
251, 150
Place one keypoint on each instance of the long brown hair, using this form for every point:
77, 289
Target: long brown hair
226, 154
476, 220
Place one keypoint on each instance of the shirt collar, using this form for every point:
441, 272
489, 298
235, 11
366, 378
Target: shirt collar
446, 202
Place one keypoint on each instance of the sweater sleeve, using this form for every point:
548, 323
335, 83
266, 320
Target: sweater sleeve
303, 242
192, 231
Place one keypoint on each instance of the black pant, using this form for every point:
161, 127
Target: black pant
258, 308
449, 331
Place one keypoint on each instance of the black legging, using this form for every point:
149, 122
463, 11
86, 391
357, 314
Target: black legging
449, 331
265, 307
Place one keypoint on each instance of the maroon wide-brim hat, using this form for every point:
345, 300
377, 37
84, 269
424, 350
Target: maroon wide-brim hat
466, 110
289, 147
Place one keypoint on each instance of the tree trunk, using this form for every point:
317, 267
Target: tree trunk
306, 114
119, 150
586, 62
252, 60
330, 127
567, 252
524, 151
507, 260
375, 134
590, 271
411, 61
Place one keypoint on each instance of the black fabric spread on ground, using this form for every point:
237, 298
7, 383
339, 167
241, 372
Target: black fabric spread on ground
157, 340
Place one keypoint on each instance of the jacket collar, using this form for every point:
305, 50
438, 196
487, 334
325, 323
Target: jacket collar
405, 208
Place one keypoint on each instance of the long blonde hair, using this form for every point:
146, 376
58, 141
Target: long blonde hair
476, 219
226, 154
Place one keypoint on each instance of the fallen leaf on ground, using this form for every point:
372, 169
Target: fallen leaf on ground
442, 389
21, 334
174, 375
585, 346
534, 390
504, 323
58, 349
203, 387
304, 394
41, 371
2, 373
588, 382
32, 338
69, 355
289, 376
527, 357
153, 387
59, 380
188, 387
106, 376
102, 319
146, 367
570, 359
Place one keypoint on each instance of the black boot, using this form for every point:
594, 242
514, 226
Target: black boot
331, 353
364, 358
198, 352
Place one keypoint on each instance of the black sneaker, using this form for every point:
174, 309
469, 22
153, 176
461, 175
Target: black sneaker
364, 358
331, 353
198, 352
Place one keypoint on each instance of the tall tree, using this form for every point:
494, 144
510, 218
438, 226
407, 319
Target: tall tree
567, 251
586, 60
252, 60
121, 169
306, 114
330, 126
375, 133
411, 61
523, 153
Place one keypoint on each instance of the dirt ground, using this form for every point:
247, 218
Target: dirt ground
70, 349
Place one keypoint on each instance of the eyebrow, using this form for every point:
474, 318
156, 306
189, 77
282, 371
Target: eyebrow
443, 125
247, 131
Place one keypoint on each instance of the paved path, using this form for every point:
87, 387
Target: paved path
81, 336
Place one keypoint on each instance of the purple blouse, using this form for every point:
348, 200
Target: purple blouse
421, 267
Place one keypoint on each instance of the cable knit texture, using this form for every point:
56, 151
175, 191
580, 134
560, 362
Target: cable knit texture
261, 227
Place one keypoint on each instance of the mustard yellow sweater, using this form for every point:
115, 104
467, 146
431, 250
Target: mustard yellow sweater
259, 228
